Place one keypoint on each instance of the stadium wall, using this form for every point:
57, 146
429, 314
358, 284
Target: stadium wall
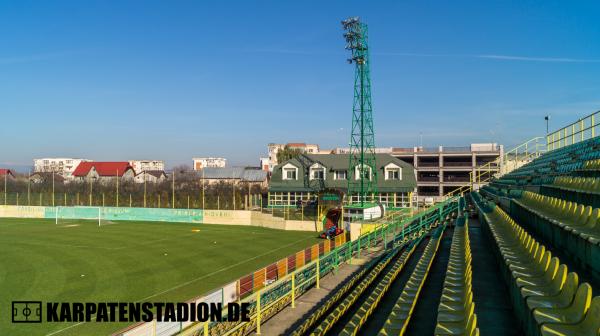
223, 217
105, 213
22, 211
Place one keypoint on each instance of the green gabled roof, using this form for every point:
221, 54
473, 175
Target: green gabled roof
333, 162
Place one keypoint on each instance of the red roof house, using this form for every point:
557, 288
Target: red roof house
6, 172
104, 170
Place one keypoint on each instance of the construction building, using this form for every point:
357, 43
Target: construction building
443, 169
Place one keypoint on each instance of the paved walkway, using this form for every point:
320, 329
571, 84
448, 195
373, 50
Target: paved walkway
308, 302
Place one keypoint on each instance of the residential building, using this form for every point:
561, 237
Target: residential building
236, 175
151, 176
302, 178
61, 166
443, 169
6, 174
104, 172
145, 165
264, 164
209, 162
303, 147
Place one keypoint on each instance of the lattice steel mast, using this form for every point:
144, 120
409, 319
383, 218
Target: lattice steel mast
362, 139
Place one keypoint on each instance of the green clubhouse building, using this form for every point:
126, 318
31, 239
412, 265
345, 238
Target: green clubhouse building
304, 178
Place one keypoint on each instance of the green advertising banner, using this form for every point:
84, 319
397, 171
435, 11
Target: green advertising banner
129, 214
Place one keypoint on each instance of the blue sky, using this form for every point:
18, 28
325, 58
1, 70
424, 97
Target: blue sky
117, 80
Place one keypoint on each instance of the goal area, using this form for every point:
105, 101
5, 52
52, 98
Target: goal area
79, 215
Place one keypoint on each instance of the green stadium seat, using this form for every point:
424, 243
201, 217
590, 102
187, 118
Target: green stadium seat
574, 313
590, 325
552, 288
566, 225
398, 319
542, 291
456, 311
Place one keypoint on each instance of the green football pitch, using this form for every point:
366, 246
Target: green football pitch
77, 261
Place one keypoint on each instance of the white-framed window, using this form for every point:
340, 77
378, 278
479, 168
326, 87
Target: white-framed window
393, 172
340, 175
366, 172
317, 172
289, 172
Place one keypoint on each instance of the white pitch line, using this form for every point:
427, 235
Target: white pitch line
191, 281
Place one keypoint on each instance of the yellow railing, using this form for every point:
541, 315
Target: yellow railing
504, 164
583, 129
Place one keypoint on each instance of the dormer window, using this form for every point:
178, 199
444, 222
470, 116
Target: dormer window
317, 172
289, 172
393, 172
364, 171
340, 174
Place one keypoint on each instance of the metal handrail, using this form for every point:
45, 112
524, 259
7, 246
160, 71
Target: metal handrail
531, 148
574, 132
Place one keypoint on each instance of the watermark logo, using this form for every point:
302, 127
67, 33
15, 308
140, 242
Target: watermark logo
27, 312
31, 312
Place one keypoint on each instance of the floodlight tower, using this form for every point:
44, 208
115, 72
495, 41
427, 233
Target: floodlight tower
362, 139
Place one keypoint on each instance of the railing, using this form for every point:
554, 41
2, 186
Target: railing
428, 164
428, 179
504, 164
583, 129
273, 297
456, 164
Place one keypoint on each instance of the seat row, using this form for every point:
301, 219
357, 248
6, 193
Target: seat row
557, 162
547, 299
592, 165
456, 312
357, 285
341, 308
578, 184
333, 300
372, 301
566, 225
397, 321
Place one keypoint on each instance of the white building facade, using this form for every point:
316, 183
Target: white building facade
303, 147
62, 166
147, 165
209, 162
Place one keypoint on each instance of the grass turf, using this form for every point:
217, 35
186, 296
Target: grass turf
77, 261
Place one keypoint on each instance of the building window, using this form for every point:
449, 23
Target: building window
365, 172
290, 173
317, 173
341, 174
392, 174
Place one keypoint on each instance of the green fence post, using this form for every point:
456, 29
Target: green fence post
337, 258
349, 253
385, 238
